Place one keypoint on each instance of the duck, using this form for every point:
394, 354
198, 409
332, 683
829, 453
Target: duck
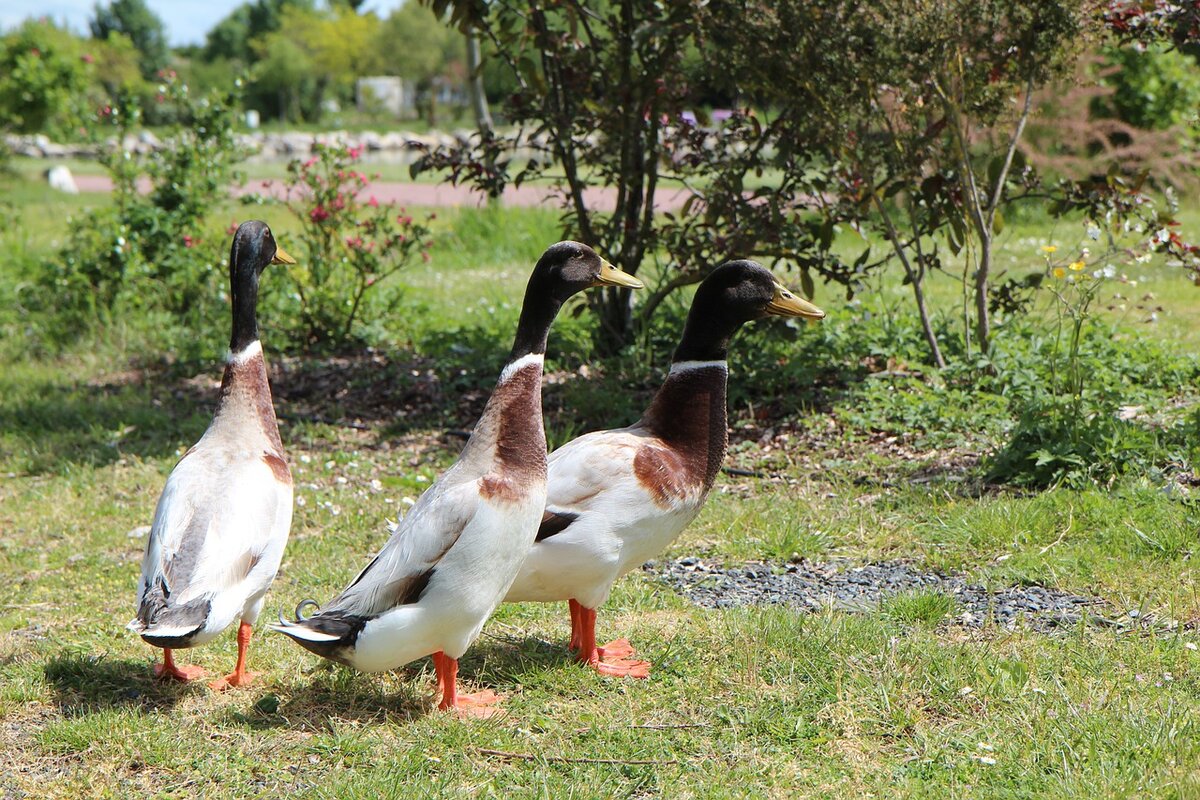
222, 520
617, 498
449, 562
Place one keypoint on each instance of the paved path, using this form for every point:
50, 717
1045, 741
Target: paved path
430, 194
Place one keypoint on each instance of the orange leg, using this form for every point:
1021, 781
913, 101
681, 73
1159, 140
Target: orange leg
607, 660
439, 667
576, 624
482, 704
168, 671
239, 676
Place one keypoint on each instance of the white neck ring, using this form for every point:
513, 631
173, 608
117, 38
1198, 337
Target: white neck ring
246, 353
520, 364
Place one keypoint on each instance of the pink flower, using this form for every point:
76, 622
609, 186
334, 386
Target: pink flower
372, 202
310, 162
318, 214
188, 241
404, 220
354, 152
232, 229
88, 58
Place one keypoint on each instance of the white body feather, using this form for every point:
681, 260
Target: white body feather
219, 528
620, 524
469, 544
469, 581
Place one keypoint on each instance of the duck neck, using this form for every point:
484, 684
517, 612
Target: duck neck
509, 441
688, 413
245, 397
533, 329
706, 335
243, 289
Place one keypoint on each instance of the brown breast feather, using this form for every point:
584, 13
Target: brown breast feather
688, 421
520, 460
246, 385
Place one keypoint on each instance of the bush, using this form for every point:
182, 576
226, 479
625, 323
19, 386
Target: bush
350, 249
43, 78
1155, 88
151, 252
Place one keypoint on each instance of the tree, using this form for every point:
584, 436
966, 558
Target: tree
231, 37
415, 45
479, 103
338, 43
899, 118
116, 64
44, 77
284, 68
134, 19
598, 87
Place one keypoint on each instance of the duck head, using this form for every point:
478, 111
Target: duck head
253, 248
565, 269
733, 294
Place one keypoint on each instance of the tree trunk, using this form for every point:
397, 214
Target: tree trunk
479, 104
615, 307
916, 278
983, 320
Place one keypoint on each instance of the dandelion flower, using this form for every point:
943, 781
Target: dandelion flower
1076, 266
1059, 272
1049, 248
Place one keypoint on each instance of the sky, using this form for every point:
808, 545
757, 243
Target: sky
187, 20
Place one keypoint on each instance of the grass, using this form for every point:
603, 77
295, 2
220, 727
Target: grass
759, 702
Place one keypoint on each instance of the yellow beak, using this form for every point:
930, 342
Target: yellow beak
786, 304
281, 257
611, 276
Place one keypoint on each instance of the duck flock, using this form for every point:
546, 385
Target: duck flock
505, 523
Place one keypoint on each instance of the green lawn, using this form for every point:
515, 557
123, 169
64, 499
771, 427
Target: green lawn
746, 702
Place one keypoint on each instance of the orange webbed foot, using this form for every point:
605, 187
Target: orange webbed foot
172, 672
617, 648
623, 668
232, 681
480, 705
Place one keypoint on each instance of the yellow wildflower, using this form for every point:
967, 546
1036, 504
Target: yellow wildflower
1059, 272
1049, 248
1076, 266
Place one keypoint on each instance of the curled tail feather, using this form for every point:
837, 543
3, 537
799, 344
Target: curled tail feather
329, 634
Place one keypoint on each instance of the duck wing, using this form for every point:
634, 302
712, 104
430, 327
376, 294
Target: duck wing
400, 571
595, 474
218, 523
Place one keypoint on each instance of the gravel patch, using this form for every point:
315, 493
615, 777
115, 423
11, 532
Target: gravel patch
844, 585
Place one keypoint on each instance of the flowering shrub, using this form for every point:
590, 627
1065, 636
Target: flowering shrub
149, 252
349, 247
